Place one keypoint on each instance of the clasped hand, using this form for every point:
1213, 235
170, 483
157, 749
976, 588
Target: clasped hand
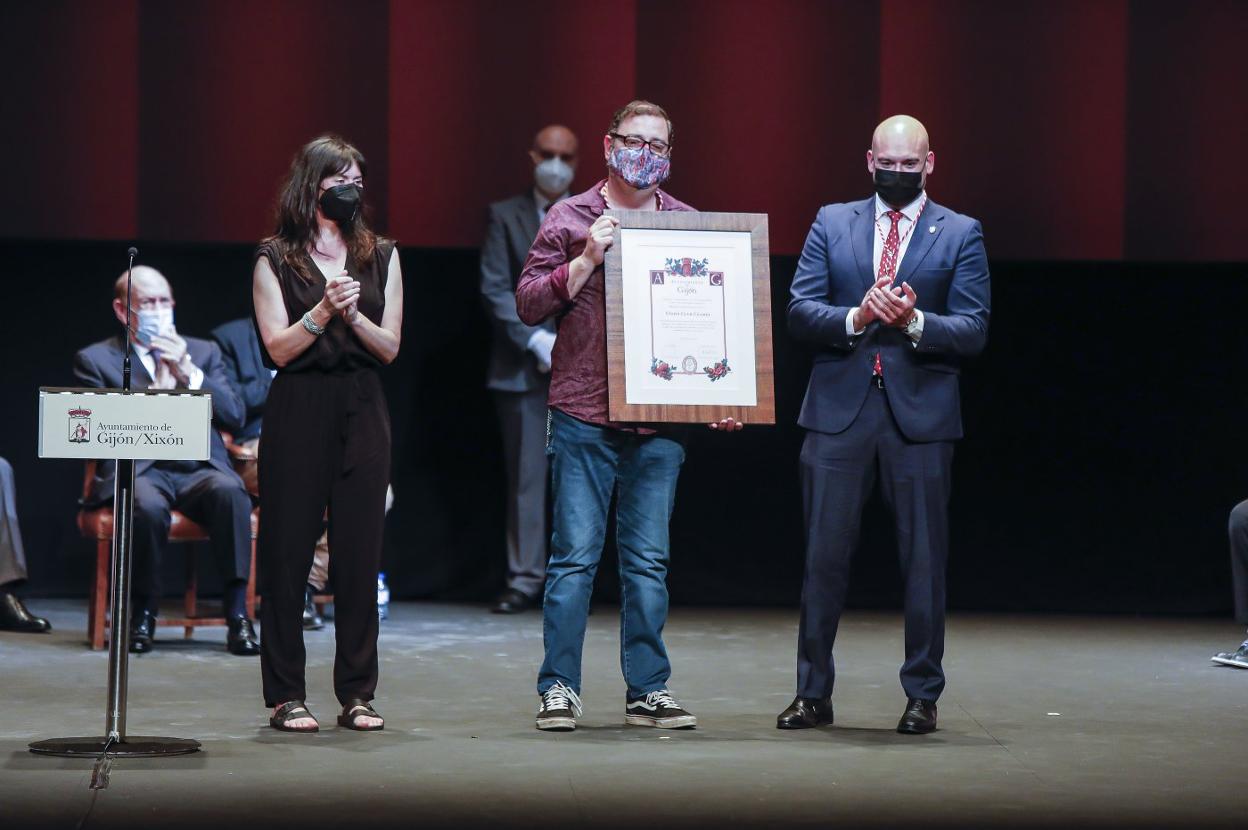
342, 296
891, 305
171, 349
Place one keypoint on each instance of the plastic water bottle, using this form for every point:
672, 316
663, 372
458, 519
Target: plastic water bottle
383, 597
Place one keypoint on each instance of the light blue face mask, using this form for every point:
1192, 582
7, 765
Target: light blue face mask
157, 321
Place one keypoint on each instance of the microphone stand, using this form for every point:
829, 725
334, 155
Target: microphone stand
114, 743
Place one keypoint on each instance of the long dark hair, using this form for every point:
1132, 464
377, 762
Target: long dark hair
319, 159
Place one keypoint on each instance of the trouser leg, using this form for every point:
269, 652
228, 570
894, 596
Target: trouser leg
1238, 532
837, 474
522, 417
318, 576
154, 496
583, 471
12, 554
220, 503
294, 489
915, 480
648, 471
357, 512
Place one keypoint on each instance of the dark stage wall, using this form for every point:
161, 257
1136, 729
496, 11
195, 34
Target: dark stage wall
1075, 129
1102, 455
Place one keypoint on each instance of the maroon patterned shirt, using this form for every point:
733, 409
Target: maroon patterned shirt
578, 381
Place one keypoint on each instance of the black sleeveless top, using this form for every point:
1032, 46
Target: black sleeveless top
337, 350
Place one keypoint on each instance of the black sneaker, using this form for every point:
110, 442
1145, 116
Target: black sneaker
1237, 658
559, 710
658, 709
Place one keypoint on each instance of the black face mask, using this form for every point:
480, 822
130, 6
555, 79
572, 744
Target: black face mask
341, 203
897, 188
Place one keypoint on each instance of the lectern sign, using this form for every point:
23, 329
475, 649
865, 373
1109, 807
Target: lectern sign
107, 423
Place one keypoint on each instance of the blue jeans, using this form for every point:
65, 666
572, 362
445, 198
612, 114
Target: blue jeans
588, 464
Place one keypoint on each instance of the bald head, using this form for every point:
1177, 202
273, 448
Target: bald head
556, 139
900, 133
150, 290
900, 145
146, 279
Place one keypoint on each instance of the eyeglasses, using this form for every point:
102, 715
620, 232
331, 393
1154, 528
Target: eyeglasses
547, 155
636, 142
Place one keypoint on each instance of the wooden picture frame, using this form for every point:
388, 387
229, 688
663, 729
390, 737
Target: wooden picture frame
763, 410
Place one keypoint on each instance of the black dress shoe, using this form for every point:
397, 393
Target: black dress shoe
242, 638
805, 713
311, 620
512, 601
15, 617
919, 717
142, 629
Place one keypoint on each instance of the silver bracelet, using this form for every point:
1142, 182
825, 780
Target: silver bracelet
310, 324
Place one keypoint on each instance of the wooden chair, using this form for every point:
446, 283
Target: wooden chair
97, 524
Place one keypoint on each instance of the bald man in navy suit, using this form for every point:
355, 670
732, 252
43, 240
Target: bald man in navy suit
893, 291
209, 492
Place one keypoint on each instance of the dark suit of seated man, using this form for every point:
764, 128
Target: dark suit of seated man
209, 492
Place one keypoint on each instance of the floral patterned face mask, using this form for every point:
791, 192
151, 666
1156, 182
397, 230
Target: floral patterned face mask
641, 168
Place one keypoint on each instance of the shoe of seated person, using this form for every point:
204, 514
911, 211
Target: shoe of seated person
1237, 658
241, 638
311, 619
142, 632
15, 617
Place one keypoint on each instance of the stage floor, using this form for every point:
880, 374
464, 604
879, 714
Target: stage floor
1046, 722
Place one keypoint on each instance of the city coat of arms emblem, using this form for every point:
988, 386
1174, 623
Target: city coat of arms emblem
79, 426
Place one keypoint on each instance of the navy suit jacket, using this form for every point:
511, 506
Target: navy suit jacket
99, 366
947, 267
245, 369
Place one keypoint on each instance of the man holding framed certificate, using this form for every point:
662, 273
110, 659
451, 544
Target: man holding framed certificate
893, 291
593, 457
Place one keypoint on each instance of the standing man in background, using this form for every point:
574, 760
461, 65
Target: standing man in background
519, 373
893, 291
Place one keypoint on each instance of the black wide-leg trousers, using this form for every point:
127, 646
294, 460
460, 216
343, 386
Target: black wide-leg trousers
838, 473
325, 445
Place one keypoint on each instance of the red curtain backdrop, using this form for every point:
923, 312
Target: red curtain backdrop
70, 116
1074, 129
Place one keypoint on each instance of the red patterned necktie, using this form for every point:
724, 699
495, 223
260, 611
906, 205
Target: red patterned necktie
888, 267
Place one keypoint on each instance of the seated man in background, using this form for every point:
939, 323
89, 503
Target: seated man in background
209, 492
13, 615
1239, 581
245, 369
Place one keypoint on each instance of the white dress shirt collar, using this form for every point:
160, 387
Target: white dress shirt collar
909, 212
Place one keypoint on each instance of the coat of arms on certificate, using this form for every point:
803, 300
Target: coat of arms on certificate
689, 318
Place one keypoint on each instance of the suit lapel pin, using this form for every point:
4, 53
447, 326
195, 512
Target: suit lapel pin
931, 229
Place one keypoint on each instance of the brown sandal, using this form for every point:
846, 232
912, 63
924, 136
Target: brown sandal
359, 708
292, 710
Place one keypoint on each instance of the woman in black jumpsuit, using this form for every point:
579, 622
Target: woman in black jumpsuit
328, 296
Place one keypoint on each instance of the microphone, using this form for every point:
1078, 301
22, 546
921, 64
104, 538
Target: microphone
132, 252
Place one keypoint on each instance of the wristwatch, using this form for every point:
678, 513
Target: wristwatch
912, 325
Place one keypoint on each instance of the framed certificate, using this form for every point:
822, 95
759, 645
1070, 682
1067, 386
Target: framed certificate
689, 318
